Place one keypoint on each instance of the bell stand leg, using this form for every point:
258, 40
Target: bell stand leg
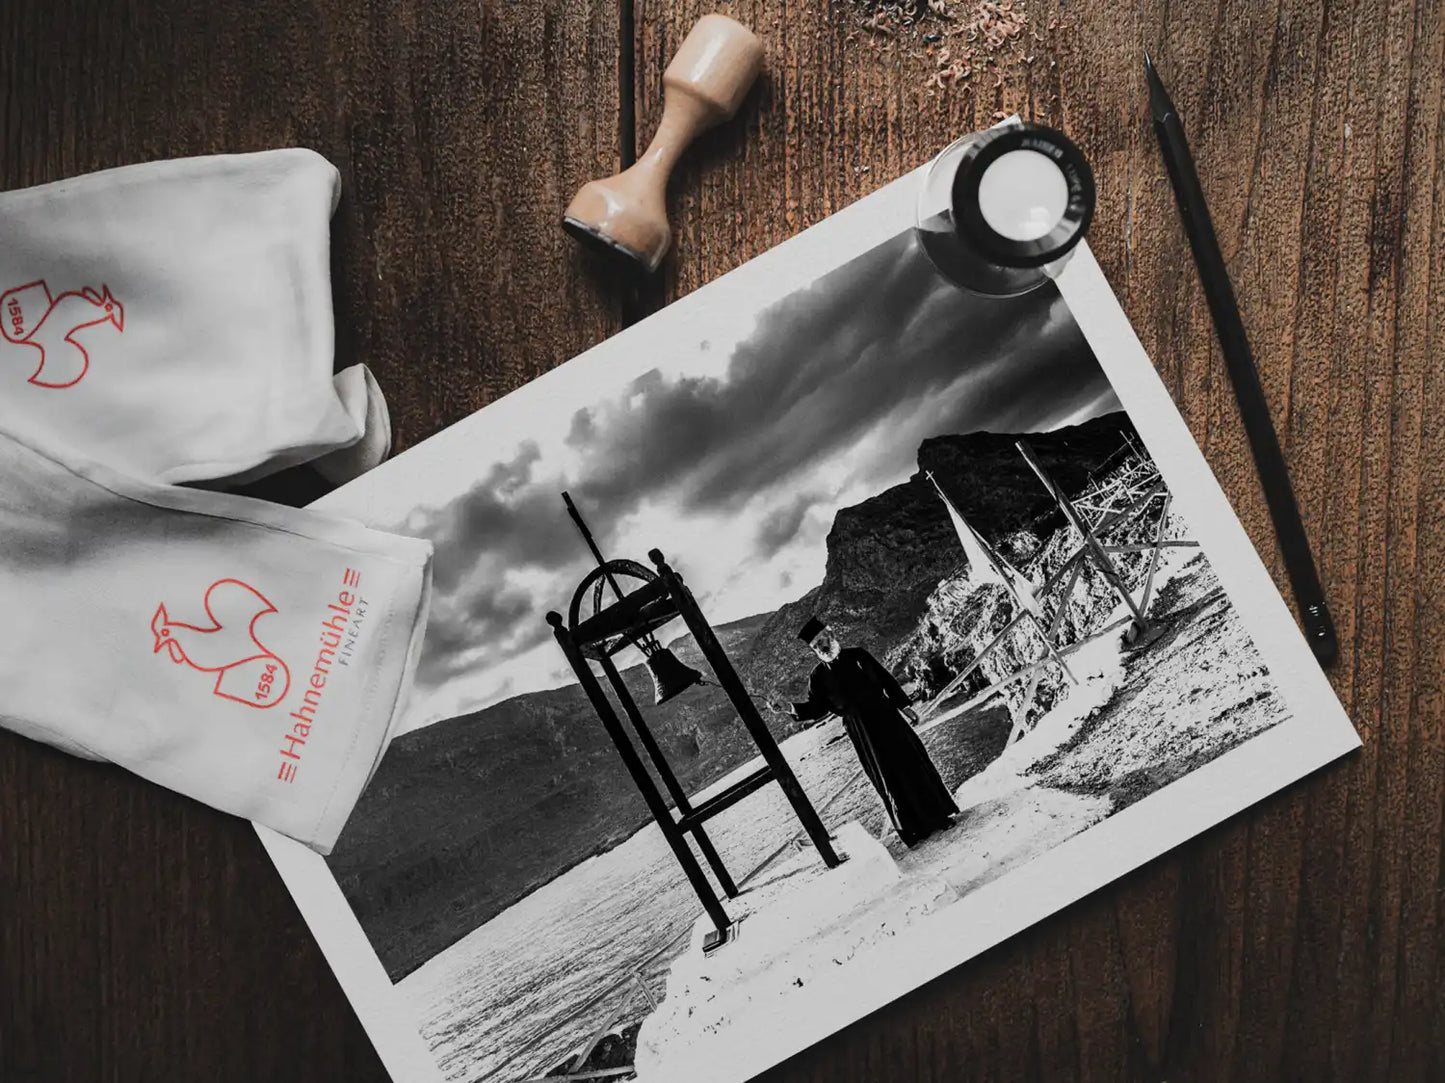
732, 684
664, 769
710, 903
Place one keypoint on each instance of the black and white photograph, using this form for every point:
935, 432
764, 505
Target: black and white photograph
755, 662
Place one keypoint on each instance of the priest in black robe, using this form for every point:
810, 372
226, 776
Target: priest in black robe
852, 684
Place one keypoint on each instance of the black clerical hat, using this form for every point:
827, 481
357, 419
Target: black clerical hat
809, 631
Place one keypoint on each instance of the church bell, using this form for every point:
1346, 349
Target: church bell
670, 675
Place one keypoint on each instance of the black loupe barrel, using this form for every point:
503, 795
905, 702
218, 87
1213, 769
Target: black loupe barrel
1000, 209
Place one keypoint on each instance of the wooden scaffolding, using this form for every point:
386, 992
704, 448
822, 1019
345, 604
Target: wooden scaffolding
1129, 492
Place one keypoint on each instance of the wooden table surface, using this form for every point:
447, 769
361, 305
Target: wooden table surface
145, 937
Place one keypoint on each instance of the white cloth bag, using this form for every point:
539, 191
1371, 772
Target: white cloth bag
253, 656
173, 319
250, 655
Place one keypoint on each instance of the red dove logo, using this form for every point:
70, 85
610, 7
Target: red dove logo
245, 670
29, 316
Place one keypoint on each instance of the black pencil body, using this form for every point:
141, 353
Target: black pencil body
1254, 411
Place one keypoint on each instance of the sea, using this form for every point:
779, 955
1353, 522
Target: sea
589, 952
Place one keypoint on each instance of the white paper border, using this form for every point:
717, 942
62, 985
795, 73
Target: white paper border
1316, 732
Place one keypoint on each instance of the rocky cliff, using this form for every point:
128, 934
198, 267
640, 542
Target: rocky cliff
887, 555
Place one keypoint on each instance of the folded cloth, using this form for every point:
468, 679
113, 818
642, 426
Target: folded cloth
173, 319
172, 323
253, 656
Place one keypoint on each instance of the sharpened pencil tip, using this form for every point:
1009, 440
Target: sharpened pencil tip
1159, 104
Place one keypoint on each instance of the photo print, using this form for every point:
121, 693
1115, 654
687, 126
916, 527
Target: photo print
766, 652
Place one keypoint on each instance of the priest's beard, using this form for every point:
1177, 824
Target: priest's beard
828, 650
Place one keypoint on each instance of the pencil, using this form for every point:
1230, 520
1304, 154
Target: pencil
1264, 443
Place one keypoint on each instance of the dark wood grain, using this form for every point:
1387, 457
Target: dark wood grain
145, 937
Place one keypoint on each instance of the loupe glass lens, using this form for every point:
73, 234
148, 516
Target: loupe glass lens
1023, 195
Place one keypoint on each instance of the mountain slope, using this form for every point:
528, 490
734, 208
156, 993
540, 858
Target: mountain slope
466, 816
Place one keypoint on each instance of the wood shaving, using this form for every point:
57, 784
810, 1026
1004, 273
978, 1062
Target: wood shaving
963, 40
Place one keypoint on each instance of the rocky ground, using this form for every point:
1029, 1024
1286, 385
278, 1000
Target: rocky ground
1197, 691
1139, 720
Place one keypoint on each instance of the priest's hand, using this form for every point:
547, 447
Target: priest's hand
911, 714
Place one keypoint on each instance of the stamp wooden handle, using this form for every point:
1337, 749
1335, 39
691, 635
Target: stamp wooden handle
704, 85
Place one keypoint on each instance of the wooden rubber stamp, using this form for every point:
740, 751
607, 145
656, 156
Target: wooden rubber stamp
703, 86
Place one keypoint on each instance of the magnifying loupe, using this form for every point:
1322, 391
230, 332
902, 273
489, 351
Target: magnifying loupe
1000, 210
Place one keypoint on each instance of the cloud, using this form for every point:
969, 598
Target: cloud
858, 368
508, 520
781, 525
879, 336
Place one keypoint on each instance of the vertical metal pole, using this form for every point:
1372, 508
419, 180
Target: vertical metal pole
640, 777
591, 542
722, 667
664, 769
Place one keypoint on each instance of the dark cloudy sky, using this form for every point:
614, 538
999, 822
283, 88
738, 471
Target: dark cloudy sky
732, 452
